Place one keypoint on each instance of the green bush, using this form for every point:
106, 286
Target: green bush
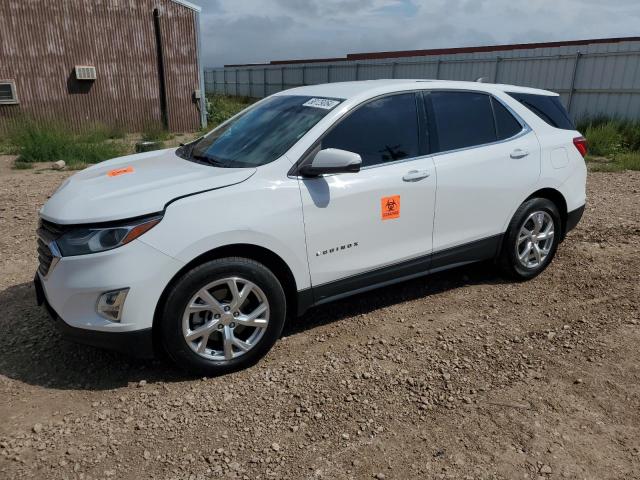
604, 139
628, 161
94, 152
101, 133
619, 163
607, 136
631, 135
614, 144
5, 148
220, 108
584, 124
155, 132
37, 141
22, 165
46, 141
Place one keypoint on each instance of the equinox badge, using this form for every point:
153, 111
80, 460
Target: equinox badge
336, 249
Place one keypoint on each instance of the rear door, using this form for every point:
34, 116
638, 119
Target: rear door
358, 223
486, 159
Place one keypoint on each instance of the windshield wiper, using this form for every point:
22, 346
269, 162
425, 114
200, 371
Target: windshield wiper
186, 152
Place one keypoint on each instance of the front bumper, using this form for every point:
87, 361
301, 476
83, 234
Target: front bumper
71, 289
76, 283
137, 343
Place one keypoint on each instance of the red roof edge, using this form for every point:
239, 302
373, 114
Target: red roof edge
286, 62
311, 60
231, 65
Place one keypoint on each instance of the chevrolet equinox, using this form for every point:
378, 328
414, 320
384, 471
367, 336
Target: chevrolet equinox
307, 196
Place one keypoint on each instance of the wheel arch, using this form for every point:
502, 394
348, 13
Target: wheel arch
263, 255
551, 194
559, 201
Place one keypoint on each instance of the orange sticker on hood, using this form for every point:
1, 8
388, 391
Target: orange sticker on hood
390, 207
120, 171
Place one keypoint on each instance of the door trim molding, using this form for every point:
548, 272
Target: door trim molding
478, 250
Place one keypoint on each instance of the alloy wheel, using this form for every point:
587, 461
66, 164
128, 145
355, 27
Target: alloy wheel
535, 239
225, 319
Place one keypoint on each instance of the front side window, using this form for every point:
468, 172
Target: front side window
261, 134
462, 119
383, 130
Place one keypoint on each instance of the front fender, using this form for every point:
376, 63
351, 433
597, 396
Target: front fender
258, 212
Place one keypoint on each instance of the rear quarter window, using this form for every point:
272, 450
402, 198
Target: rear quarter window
506, 124
547, 108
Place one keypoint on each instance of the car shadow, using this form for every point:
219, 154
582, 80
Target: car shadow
483, 273
33, 352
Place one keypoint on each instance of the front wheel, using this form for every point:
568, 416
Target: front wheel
222, 316
531, 240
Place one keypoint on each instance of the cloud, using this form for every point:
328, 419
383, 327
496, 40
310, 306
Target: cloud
251, 31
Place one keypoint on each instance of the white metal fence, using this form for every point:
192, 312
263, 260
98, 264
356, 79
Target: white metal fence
593, 79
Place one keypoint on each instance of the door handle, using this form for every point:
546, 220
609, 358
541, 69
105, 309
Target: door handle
415, 175
519, 153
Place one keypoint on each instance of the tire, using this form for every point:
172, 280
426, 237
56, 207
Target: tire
208, 327
516, 242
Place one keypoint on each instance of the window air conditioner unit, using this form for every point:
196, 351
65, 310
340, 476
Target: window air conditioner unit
8, 94
85, 72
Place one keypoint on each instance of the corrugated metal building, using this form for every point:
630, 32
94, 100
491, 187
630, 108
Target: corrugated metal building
129, 63
594, 77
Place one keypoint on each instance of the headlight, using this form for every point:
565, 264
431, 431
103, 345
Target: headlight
82, 241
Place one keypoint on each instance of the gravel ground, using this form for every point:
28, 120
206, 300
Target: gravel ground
460, 375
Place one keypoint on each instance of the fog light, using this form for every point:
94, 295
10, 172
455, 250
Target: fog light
110, 304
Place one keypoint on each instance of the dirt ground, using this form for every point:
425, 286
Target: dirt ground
460, 375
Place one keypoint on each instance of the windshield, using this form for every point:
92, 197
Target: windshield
261, 134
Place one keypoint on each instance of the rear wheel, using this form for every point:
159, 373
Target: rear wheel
222, 316
531, 240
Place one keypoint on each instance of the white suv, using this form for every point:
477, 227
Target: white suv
309, 195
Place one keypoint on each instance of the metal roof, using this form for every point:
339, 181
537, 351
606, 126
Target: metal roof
485, 48
190, 5
444, 51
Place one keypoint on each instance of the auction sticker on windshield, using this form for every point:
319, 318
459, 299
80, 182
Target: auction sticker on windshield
325, 103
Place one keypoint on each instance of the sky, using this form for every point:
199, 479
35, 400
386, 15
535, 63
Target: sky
254, 31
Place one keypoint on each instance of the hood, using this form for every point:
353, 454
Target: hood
132, 186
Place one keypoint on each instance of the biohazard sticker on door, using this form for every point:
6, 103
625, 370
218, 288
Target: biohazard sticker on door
390, 207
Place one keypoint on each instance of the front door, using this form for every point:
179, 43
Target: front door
362, 227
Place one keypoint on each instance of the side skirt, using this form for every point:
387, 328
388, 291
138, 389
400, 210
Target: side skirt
476, 251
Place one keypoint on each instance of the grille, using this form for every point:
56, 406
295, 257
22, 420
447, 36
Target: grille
47, 232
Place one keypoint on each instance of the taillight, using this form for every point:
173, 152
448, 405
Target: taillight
581, 145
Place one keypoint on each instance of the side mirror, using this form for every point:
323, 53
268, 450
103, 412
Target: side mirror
332, 160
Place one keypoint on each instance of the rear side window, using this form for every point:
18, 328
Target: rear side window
462, 119
547, 108
506, 124
383, 130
